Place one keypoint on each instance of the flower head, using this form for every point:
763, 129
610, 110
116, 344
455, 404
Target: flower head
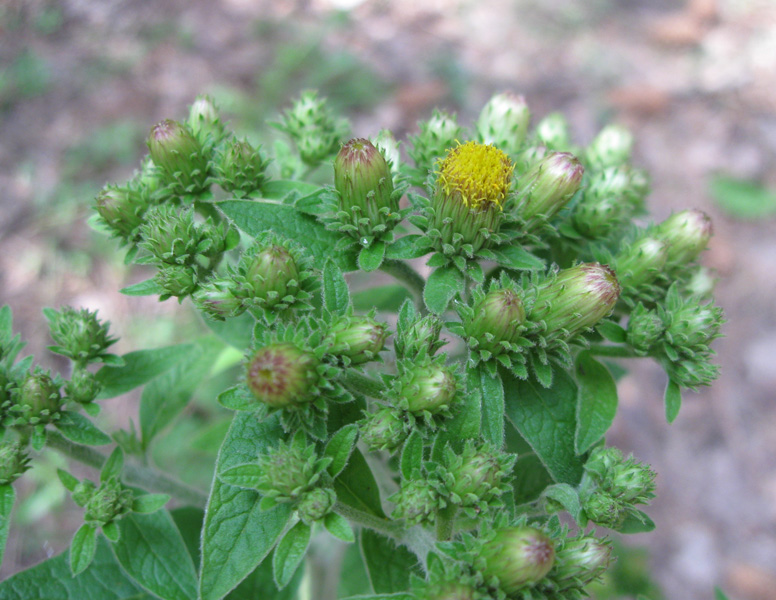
477, 175
281, 375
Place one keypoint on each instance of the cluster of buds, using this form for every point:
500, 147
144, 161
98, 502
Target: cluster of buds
313, 128
242, 169
613, 486
437, 135
79, 335
419, 338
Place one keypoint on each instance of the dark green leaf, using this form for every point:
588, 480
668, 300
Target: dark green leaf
82, 548
77, 428
336, 296
339, 527
514, 257
113, 466
7, 499
389, 566
149, 287
239, 398
406, 248
6, 323
412, 456
256, 217
290, 553
567, 497
596, 401
743, 199
673, 401
277, 189
530, 478
719, 594
612, 331
441, 287
353, 577
546, 419
246, 476
260, 585
492, 392
356, 486
384, 297
148, 503
111, 531
139, 367
188, 520
236, 534
637, 522
67, 479
465, 424
339, 448
235, 331
152, 552
371, 257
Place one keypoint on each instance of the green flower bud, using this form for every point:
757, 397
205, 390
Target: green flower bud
612, 196
503, 122
476, 476
204, 120
83, 492
242, 169
289, 470
451, 591
312, 127
701, 283
171, 235
109, 502
437, 135
420, 339
645, 329
624, 479
416, 502
316, 504
176, 151
363, 181
641, 262
389, 147
122, 209
694, 324
281, 375
604, 510
219, 299
498, 320
518, 557
79, 334
383, 430
529, 158
427, 387
471, 188
611, 147
582, 560
271, 273
177, 280
39, 397
576, 299
14, 461
549, 185
553, 131
359, 339
83, 387
685, 234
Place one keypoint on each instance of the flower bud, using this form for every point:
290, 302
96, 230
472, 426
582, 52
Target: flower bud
549, 185
14, 461
83, 492
645, 328
83, 387
503, 122
553, 131
623, 479
383, 430
451, 591
289, 470
518, 557
641, 262
436, 137
313, 128
582, 560
219, 299
611, 147
498, 319
430, 387
242, 169
416, 502
685, 234
79, 334
576, 299
472, 186
122, 210
359, 339
363, 181
701, 283
477, 475
178, 153
604, 510
389, 147
171, 235
109, 502
316, 504
694, 324
281, 375
271, 273
612, 196
39, 397
204, 120
420, 339
177, 280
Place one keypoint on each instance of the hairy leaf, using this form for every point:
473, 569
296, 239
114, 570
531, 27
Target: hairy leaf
596, 402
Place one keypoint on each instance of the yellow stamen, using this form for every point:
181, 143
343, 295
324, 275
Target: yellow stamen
480, 173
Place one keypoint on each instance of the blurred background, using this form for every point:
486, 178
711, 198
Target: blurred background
82, 81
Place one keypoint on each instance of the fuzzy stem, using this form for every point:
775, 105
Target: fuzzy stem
359, 517
612, 351
362, 384
400, 270
445, 521
136, 475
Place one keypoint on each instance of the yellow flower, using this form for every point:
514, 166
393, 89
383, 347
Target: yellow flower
478, 173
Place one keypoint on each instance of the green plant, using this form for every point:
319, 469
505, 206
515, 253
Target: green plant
435, 467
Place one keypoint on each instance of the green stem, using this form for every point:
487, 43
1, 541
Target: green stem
359, 517
362, 384
136, 475
612, 351
445, 520
401, 271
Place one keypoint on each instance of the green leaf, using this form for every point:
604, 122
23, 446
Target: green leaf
612, 331
239, 398
389, 566
113, 465
741, 198
567, 497
7, 499
356, 486
339, 527
492, 393
260, 584
188, 520
277, 189
371, 257
398, 596
67, 479
353, 578
465, 424
77, 428
256, 217
149, 287
384, 297
406, 248
530, 479
719, 594
637, 522
6, 323
167, 395
52, 580
340, 447
139, 367
412, 456
596, 401
290, 553
546, 419
246, 476
235, 331
111, 531
441, 287
82, 548
237, 535
514, 257
336, 295
673, 400
149, 503
152, 552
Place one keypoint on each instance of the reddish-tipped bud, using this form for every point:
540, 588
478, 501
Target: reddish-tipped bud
360, 339
582, 560
518, 557
503, 122
174, 148
122, 209
549, 185
363, 180
428, 387
685, 234
281, 375
498, 318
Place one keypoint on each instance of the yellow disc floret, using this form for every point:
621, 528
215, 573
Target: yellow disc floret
478, 173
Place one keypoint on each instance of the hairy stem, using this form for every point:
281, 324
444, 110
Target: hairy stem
401, 271
445, 520
613, 351
359, 517
137, 475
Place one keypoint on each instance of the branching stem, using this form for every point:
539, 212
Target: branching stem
401, 271
359, 517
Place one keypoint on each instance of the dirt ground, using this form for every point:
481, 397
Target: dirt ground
695, 81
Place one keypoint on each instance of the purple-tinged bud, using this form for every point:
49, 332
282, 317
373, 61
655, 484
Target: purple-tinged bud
122, 209
174, 149
582, 560
549, 185
576, 299
281, 375
498, 318
611, 147
429, 387
14, 461
685, 234
39, 397
360, 339
553, 131
204, 120
641, 262
387, 144
271, 273
316, 504
383, 430
363, 181
503, 122
518, 557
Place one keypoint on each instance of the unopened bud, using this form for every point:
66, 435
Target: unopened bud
79, 334
219, 300
39, 397
582, 560
360, 339
389, 147
641, 262
122, 210
611, 147
316, 504
83, 387
553, 131
503, 122
204, 120
694, 324
685, 234
645, 328
437, 135
416, 502
498, 319
420, 339
242, 169
549, 185
289, 470
518, 557
429, 387
281, 375
177, 280
109, 502
176, 151
383, 430
14, 461
271, 273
